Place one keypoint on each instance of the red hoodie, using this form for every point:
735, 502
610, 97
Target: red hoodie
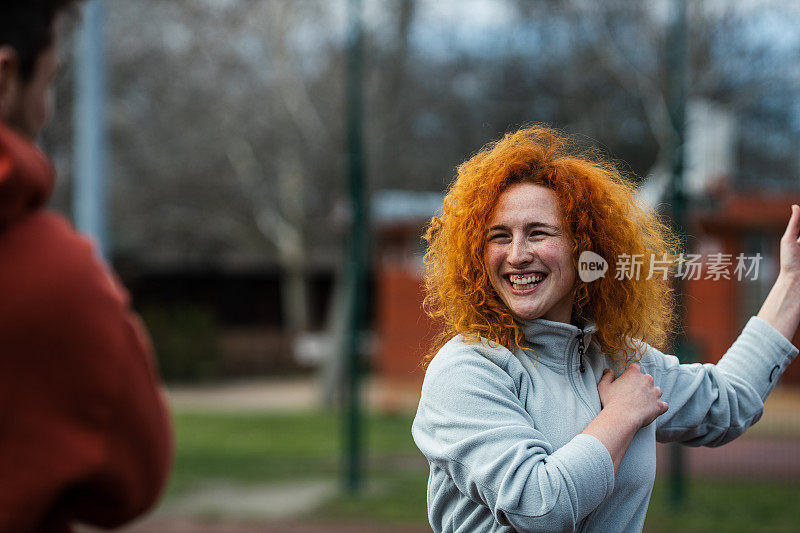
84, 432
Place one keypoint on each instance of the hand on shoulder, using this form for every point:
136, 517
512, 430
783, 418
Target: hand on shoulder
632, 395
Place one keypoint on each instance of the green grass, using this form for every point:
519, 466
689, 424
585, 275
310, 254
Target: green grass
269, 448
730, 506
265, 448
391, 498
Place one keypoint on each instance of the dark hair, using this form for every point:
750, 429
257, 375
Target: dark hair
27, 27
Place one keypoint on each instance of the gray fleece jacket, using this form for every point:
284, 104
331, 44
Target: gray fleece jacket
501, 428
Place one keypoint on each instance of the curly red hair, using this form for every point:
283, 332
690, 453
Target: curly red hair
601, 214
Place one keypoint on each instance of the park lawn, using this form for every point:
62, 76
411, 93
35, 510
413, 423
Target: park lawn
727, 505
271, 448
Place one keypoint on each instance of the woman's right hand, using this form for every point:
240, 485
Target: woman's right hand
629, 402
632, 395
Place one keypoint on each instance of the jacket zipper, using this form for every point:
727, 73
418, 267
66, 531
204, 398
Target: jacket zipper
581, 350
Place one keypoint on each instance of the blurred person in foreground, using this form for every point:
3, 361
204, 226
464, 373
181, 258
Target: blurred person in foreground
542, 408
84, 431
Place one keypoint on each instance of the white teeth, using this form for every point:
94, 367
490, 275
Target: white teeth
525, 281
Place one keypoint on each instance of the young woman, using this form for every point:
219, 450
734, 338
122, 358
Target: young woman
541, 409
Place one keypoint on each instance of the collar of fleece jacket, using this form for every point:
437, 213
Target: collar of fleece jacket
550, 341
26, 176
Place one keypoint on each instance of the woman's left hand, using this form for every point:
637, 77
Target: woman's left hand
781, 308
790, 247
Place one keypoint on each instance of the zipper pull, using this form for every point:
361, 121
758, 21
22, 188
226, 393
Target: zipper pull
580, 352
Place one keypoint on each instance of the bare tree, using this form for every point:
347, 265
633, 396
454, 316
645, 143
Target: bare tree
233, 136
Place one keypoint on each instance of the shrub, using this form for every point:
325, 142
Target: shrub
185, 340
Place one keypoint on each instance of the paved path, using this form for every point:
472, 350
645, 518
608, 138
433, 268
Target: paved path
744, 458
287, 394
295, 394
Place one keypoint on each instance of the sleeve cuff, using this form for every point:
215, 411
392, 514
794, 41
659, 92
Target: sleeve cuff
760, 355
773, 336
589, 465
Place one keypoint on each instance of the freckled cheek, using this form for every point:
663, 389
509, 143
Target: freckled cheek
549, 251
556, 256
492, 260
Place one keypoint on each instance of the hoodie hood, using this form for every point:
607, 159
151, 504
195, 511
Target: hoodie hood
26, 176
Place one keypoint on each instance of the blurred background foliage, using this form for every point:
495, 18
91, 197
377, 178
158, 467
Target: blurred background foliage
226, 118
186, 338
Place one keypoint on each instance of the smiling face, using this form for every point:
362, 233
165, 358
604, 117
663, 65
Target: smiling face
528, 254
